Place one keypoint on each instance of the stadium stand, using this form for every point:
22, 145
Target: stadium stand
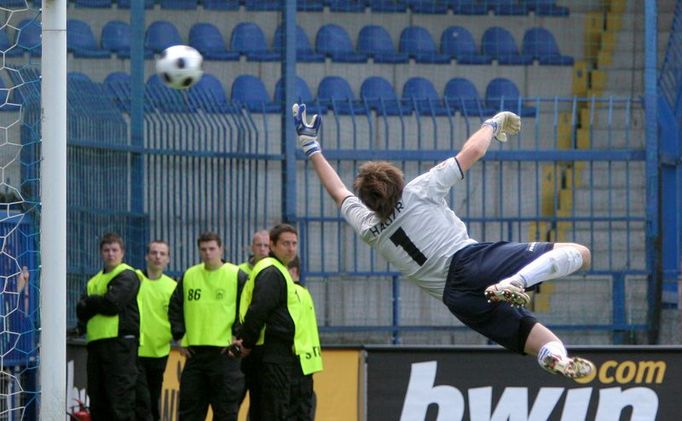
458, 43
178, 4
347, 5
337, 95
29, 36
333, 41
304, 51
388, 6
208, 40
461, 95
469, 7
6, 103
310, 5
248, 39
116, 38
417, 42
499, 44
101, 4
376, 42
540, 44
302, 93
7, 47
502, 94
546, 8
161, 35
508, 7
117, 84
81, 42
165, 99
221, 4
379, 95
263, 5
125, 4
209, 95
423, 95
428, 6
249, 91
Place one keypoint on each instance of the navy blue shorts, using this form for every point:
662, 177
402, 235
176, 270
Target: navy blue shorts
478, 266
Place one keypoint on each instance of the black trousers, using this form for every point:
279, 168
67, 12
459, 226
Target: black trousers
251, 367
210, 378
148, 389
286, 394
112, 375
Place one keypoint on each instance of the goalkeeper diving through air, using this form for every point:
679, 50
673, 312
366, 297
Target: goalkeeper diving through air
483, 284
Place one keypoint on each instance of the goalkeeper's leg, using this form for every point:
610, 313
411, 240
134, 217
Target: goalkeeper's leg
553, 357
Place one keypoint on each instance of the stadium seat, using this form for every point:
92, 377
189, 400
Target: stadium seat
116, 38
310, 5
428, 6
208, 40
248, 39
461, 95
302, 94
457, 42
161, 35
249, 91
263, 5
388, 6
117, 84
165, 99
468, 7
7, 47
423, 96
29, 36
221, 4
503, 95
333, 41
209, 95
500, 45
508, 7
78, 76
417, 42
347, 5
376, 42
13, 4
125, 4
546, 8
335, 93
378, 94
304, 51
81, 41
539, 44
100, 4
178, 4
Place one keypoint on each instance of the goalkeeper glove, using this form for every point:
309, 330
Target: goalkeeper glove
307, 131
503, 123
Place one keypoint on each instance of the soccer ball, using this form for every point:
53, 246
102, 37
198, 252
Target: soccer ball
179, 66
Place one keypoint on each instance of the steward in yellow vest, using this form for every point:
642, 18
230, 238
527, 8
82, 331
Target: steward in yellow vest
110, 314
260, 247
153, 299
203, 314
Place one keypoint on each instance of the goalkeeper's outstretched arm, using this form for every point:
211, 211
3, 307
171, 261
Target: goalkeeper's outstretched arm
330, 178
498, 127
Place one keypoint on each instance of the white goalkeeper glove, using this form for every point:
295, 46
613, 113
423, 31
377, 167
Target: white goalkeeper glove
307, 131
503, 124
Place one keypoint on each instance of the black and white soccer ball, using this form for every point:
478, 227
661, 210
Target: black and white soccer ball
179, 66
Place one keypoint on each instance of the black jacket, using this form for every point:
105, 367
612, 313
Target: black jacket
120, 299
269, 308
176, 307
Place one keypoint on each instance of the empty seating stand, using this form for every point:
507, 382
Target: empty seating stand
417, 42
378, 94
304, 51
458, 43
335, 92
334, 42
248, 39
376, 42
500, 45
161, 35
248, 91
503, 95
81, 41
116, 39
302, 94
461, 95
208, 95
423, 96
539, 44
208, 40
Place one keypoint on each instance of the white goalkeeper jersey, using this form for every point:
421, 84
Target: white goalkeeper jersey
422, 234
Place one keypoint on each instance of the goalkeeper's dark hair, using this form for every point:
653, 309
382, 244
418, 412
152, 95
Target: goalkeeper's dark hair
279, 229
112, 238
209, 236
379, 185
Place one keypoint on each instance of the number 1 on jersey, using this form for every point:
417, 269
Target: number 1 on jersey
400, 239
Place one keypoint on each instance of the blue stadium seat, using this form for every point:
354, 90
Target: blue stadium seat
304, 51
376, 42
79, 76
7, 47
208, 40
310, 5
546, 8
116, 38
417, 42
249, 91
428, 6
468, 7
335, 93
263, 5
125, 4
508, 7
423, 96
29, 36
347, 5
457, 42
81, 41
500, 45
248, 39
388, 6
161, 35
302, 94
378, 94
178, 4
5, 104
461, 95
100, 4
333, 41
503, 95
165, 99
117, 84
540, 44
221, 4
13, 4
208, 94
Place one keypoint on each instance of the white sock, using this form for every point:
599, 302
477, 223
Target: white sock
555, 348
554, 264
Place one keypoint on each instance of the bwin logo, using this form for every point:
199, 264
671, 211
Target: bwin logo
513, 404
